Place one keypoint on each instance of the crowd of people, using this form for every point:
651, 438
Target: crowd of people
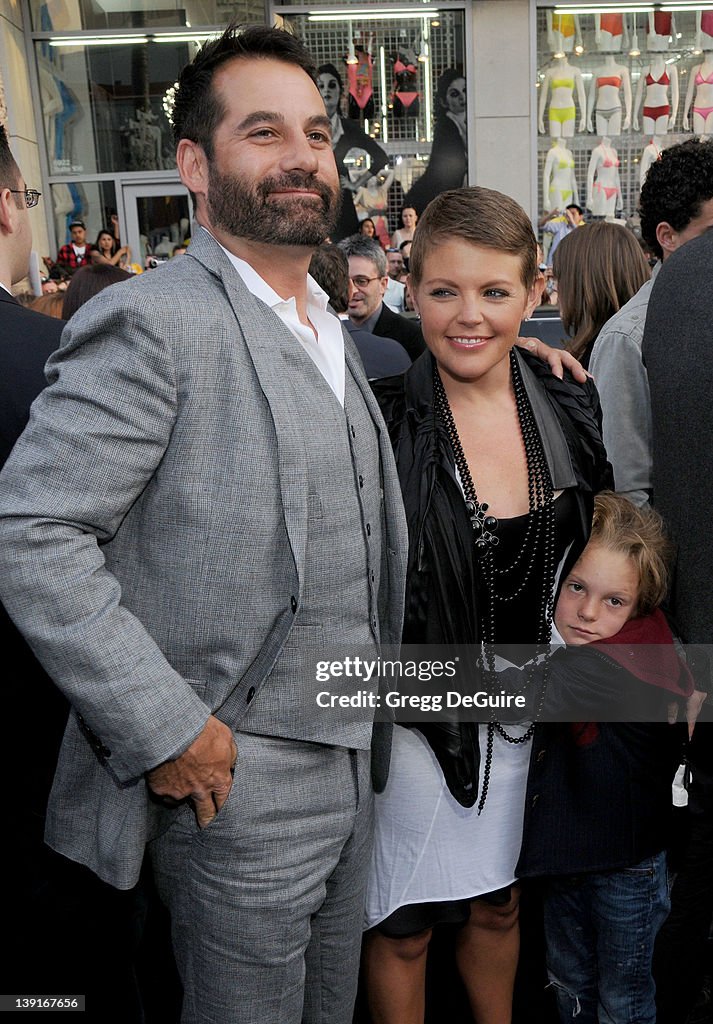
274, 450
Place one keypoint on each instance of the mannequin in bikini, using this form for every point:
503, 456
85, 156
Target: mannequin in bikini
660, 28
608, 82
610, 32
700, 95
650, 154
562, 80
360, 101
563, 31
405, 97
603, 183
559, 185
660, 106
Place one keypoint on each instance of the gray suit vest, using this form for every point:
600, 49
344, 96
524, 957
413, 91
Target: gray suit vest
338, 612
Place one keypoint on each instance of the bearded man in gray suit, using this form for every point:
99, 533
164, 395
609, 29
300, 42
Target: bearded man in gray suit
205, 493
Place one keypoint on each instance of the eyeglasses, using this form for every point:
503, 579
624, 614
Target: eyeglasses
362, 282
32, 196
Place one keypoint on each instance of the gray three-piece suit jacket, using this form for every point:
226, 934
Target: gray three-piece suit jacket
153, 536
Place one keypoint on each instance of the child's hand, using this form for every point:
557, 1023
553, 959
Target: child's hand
694, 703
693, 709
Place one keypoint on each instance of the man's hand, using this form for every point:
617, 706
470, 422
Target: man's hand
202, 773
558, 359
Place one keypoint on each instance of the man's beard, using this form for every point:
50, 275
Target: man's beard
246, 211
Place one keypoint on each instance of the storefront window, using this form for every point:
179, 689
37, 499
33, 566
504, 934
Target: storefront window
102, 105
614, 89
74, 15
93, 202
394, 86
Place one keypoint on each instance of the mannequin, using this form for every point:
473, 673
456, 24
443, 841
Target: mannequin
704, 30
603, 183
658, 113
605, 98
563, 31
610, 32
164, 247
52, 104
372, 200
405, 97
660, 28
359, 77
700, 82
650, 154
563, 79
63, 203
559, 185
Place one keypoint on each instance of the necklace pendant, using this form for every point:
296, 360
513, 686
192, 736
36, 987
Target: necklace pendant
476, 519
483, 526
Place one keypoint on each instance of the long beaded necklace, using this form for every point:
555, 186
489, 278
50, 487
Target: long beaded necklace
539, 537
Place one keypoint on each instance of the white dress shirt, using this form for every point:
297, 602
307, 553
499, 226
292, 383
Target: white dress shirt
326, 350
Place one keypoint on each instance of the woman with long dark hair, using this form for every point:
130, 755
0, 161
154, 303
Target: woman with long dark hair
598, 268
107, 250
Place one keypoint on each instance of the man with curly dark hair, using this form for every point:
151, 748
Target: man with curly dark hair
677, 196
676, 205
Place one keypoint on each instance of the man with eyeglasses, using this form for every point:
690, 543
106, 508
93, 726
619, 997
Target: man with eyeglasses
27, 339
367, 306
77, 253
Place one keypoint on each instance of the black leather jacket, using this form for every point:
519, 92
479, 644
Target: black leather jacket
441, 605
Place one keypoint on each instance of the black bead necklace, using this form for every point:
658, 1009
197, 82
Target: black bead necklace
538, 541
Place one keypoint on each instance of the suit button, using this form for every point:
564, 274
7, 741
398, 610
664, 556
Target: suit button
293, 604
250, 694
361, 480
534, 800
540, 756
368, 529
353, 431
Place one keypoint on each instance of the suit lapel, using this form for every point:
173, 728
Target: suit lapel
261, 329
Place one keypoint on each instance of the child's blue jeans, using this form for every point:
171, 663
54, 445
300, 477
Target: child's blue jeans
600, 931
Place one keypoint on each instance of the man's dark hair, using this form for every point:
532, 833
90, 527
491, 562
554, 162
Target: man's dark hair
575, 206
9, 171
329, 267
89, 281
675, 188
197, 110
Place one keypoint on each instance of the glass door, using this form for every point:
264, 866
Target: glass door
158, 218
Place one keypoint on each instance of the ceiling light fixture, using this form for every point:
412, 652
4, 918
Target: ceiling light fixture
605, 8
97, 40
393, 14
